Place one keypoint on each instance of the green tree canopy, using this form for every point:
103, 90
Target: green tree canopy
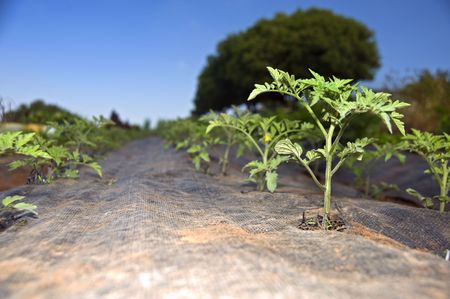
429, 95
315, 38
38, 112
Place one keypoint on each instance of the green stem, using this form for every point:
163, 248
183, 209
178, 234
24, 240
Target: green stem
258, 148
340, 133
225, 159
260, 182
328, 174
432, 169
442, 181
338, 165
443, 187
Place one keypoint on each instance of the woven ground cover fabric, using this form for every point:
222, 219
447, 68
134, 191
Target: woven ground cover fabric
155, 228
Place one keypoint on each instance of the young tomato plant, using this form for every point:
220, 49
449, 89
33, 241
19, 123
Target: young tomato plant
24, 144
189, 134
15, 202
228, 136
78, 134
261, 134
339, 101
38, 152
435, 150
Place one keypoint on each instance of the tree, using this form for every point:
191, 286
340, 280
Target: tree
317, 39
429, 96
39, 112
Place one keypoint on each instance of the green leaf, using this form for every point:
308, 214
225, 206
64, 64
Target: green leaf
7, 141
313, 155
71, 173
213, 124
254, 164
10, 199
259, 89
195, 148
271, 181
385, 117
18, 164
95, 166
23, 206
286, 147
204, 156
355, 148
24, 139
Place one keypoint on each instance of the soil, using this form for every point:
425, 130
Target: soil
155, 228
10, 179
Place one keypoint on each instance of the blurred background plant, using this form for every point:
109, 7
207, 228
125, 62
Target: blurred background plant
429, 95
38, 112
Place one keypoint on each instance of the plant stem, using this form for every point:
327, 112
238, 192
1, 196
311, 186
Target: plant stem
328, 174
260, 182
443, 187
312, 174
327, 193
225, 159
258, 148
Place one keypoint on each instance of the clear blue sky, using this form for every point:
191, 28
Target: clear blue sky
142, 58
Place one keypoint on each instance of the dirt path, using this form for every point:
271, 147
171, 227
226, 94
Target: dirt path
154, 228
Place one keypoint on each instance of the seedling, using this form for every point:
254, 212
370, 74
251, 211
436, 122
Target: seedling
78, 134
228, 136
15, 202
435, 150
340, 102
189, 134
38, 152
261, 134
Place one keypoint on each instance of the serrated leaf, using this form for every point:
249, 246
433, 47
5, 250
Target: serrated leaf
95, 166
24, 139
257, 91
387, 121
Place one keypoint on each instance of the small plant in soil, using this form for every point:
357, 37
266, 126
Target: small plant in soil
332, 104
190, 135
39, 153
16, 202
314, 219
228, 136
435, 150
261, 134
13, 208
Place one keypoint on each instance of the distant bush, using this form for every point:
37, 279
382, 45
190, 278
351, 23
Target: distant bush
429, 96
38, 112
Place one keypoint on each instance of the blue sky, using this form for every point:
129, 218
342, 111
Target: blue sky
143, 58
